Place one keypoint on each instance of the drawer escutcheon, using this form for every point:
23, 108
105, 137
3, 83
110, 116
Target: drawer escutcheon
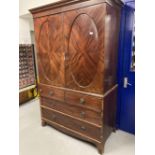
82, 114
51, 93
82, 101
83, 128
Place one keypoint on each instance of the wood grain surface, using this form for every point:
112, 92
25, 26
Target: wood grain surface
84, 48
77, 45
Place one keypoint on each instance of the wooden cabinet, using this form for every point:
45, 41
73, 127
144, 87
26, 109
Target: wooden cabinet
77, 43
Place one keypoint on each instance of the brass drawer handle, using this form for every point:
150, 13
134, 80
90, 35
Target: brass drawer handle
51, 93
83, 128
82, 114
82, 101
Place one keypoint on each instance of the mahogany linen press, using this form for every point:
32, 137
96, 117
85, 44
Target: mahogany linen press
77, 44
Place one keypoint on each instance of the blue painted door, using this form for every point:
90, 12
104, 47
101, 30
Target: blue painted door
126, 101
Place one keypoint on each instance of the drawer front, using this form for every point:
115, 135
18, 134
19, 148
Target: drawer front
81, 127
75, 111
50, 92
82, 100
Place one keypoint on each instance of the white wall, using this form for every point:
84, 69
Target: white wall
24, 31
25, 5
25, 18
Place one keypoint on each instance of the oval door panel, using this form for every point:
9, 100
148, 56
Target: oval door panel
48, 55
83, 50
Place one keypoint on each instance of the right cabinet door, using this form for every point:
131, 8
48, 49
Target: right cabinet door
84, 48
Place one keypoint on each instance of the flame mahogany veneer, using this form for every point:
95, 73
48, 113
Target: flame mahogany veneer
77, 44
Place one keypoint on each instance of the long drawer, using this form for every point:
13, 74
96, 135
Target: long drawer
75, 111
68, 122
50, 92
83, 100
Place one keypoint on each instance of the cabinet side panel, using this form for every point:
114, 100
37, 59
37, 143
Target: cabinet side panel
112, 23
109, 118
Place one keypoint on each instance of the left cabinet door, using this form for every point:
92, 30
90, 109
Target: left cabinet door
50, 55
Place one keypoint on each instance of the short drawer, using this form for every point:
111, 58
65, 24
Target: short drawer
68, 122
83, 100
75, 111
50, 92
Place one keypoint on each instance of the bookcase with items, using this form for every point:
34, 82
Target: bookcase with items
27, 72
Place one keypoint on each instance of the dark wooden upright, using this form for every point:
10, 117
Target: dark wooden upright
77, 43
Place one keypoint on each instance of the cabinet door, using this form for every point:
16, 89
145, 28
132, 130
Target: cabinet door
84, 48
49, 40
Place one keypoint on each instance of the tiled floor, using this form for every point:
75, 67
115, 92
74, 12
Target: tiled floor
38, 140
